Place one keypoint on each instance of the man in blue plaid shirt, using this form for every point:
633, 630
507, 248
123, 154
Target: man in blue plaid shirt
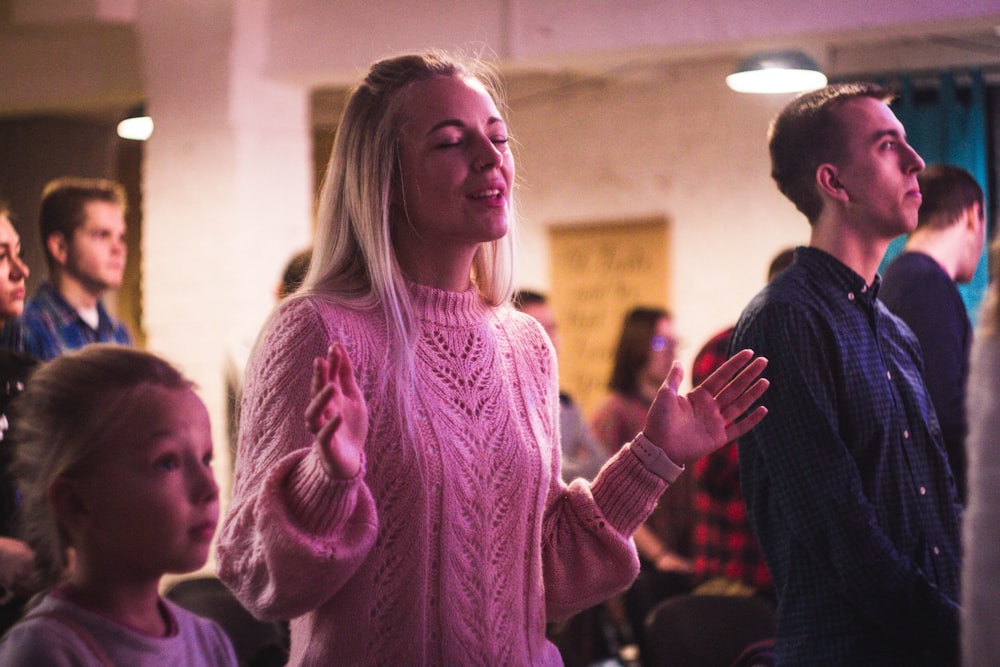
847, 481
82, 225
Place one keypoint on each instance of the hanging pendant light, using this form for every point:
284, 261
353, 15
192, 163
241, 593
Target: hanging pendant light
777, 72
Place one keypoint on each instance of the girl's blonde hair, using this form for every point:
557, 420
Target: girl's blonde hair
59, 422
353, 259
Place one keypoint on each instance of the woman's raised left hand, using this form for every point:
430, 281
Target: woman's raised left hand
689, 427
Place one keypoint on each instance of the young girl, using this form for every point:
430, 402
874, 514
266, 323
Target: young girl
114, 463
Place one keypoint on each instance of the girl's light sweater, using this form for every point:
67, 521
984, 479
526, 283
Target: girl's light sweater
453, 545
61, 633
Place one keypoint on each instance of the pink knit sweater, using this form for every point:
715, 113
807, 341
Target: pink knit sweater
454, 545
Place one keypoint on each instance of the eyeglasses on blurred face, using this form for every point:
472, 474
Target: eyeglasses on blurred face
660, 343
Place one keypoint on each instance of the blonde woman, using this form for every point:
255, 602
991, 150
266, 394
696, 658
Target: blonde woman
397, 491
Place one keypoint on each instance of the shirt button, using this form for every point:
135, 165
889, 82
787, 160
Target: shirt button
923, 490
888, 374
906, 435
850, 296
864, 289
937, 552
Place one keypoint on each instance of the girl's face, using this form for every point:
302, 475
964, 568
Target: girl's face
150, 505
456, 171
12, 271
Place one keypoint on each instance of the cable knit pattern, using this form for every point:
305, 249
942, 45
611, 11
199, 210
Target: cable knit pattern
452, 546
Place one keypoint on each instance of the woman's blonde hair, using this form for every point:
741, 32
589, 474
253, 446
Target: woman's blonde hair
58, 427
353, 259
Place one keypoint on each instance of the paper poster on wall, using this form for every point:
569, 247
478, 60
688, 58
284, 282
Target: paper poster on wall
600, 270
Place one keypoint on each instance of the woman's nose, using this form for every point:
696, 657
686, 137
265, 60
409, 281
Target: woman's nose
19, 269
487, 157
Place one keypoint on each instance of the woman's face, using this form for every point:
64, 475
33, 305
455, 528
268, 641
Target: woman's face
662, 348
456, 172
12, 271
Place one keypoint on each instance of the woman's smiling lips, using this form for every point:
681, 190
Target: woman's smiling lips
493, 194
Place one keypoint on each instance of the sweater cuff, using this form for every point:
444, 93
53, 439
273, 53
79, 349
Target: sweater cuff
318, 501
655, 459
626, 491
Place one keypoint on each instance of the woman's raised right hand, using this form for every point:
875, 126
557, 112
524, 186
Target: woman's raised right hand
337, 414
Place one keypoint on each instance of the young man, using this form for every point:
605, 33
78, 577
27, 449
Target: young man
82, 224
919, 287
846, 482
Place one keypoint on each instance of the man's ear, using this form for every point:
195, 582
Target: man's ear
68, 504
828, 182
974, 217
58, 246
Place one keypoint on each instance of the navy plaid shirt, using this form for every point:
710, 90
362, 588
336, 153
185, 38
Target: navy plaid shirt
52, 327
846, 479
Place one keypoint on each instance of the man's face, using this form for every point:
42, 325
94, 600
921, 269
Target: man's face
878, 169
95, 254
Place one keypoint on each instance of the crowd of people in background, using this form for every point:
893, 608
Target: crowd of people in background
414, 486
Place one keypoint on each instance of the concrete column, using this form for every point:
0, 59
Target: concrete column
227, 187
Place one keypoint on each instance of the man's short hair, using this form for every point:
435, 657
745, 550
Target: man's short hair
948, 191
781, 261
527, 297
295, 272
806, 134
63, 202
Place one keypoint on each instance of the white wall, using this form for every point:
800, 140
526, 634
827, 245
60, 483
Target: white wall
227, 190
676, 143
322, 42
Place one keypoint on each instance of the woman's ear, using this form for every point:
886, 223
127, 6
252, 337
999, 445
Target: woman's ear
67, 501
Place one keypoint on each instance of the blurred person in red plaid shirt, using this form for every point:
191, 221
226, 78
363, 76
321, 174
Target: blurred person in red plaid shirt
727, 557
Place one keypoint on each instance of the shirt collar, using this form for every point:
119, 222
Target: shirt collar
844, 278
66, 313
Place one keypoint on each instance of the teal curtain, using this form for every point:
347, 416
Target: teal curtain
949, 128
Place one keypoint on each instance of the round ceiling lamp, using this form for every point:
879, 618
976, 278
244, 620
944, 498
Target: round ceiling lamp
780, 72
136, 125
